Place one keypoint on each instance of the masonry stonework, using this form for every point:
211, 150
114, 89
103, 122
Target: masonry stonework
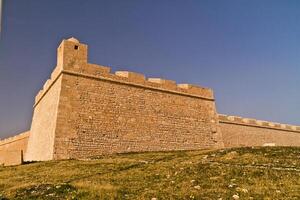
84, 110
13, 149
114, 117
239, 132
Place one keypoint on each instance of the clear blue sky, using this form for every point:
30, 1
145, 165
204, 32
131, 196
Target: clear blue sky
248, 51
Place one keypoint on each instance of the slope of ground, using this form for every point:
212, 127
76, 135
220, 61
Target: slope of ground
241, 173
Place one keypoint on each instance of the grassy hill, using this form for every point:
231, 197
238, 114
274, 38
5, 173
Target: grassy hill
244, 173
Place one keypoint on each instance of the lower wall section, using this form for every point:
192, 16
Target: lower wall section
238, 135
8, 158
12, 149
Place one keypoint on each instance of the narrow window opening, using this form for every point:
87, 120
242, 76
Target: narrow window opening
76, 47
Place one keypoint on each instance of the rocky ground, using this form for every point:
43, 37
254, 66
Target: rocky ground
241, 173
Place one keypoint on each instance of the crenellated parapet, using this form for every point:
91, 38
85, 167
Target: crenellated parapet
47, 85
140, 80
128, 78
257, 123
14, 138
80, 67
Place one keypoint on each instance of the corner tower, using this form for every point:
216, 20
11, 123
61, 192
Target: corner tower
43, 131
71, 53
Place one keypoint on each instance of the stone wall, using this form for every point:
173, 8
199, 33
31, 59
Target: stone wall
124, 112
239, 132
84, 110
12, 149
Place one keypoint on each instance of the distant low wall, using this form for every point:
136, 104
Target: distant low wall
239, 132
12, 149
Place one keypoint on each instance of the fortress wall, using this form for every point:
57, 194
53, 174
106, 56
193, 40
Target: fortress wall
13, 148
238, 132
42, 132
103, 113
84, 110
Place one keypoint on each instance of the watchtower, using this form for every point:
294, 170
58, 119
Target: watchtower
71, 53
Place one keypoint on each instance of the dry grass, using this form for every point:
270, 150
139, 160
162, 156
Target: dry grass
250, 173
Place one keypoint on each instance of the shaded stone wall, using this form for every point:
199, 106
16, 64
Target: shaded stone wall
239, 132
42, 132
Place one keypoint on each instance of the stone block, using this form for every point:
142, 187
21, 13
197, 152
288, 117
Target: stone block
96, 70
131, 76
168, 84
197, 90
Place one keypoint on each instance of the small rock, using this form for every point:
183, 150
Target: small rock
154, 198
230, 155
244, 190
232, 185
235, 196
192, 181
197, 187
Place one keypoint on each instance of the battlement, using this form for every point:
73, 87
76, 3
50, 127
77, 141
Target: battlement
257, 123
14, 138
121, 77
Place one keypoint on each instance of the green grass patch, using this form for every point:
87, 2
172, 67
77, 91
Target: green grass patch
249, 173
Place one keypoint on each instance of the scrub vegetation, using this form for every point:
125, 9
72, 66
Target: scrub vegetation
238, 173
